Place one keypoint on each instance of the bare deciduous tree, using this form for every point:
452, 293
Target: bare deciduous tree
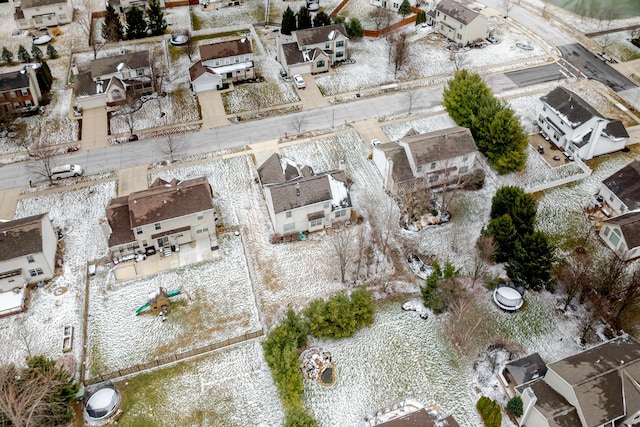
190, 46
298, 121
507, 5
128, 111
575, 276
158, 74
43, 156
173, 145
83, 15
459, 60
398, 50
341, 242
610, 274
381, 17
626, 297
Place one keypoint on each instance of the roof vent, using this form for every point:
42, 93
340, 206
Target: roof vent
297, 189
332, 35
120, 66
135, 201
164, 201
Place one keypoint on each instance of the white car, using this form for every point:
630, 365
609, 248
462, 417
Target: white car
66, 171
375, 142
299, 81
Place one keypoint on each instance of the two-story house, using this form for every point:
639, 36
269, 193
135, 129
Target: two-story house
574, 126
27, 255
109, 79
161, 218
419, 161
19, 90
598, 387
313, 50
123, 6
622, 235
621, 190
457, 22
298, 200
223, 62
42, 13
393, 5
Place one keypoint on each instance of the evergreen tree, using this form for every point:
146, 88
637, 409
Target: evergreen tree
136, 25
405, 9
321, 19
362, 307
504, 237
111, 27
36, 52
7, 56
515, 406
299, 416
288, 21
532, 262
520, 206
52, 53
421, 17
44, 76
23, 54
440, 287
304, 18
464, 96
155, 18
354, 28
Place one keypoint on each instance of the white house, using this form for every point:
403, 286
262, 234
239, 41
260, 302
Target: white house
109, 79
27, 255
161, 218
298, 200
392, 5
42, 13
621, 190
598, 387
426, 160
576, 127
228, 61
457, 22
313, 50
622, 235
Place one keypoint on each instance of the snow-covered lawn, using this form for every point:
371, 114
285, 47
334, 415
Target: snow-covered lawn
619, 45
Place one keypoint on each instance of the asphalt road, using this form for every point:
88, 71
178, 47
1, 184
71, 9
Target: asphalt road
532, 76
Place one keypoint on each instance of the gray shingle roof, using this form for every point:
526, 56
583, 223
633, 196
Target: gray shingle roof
293, 55
13, 80
311, 36
440, 145
555, 408
21, 237
306, 191
527, 368
571, 105
629, 224
109, 65
458, 11
225, 49
277, 169
616, 129
625, 184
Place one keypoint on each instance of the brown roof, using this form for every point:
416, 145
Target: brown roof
440, 145
310, 36
21, 237
306, 191
109, 65
13, 80
196, 70
225, 49
401, 171
629, 224
457, 11
293, 54
162, 201
420, 418
277, 169
625, 184
554, 407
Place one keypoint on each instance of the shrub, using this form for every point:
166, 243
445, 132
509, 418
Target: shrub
490, 411
340, 317
515, 406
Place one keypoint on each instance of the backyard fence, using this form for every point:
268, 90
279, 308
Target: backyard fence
390, 28
172, 358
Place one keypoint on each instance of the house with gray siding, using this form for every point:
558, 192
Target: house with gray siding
577, 128
161, 218
418, 161
313, 50
27, 255
299, 200
222, 62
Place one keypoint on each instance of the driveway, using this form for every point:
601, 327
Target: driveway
310, 96
132, 179
212, 109
94, 128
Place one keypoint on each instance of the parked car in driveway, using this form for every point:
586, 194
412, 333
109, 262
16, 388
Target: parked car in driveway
299, 81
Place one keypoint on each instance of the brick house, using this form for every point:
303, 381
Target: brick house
160, 218
19, 89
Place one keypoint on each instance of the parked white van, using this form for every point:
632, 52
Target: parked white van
66, 171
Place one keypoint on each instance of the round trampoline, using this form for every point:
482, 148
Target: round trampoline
508, 298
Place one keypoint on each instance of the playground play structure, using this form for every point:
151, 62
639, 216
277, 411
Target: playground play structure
159, 301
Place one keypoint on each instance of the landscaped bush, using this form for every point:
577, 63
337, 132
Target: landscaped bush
515, 406
490, 412
340, 317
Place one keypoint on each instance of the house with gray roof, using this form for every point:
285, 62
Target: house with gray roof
597, 387
622, 235
299, 200
621, 190
427, 160
313, 50
161, 218
27, 255
109, 79
457, 22
222, 62
42, 13
523, 370
577, 128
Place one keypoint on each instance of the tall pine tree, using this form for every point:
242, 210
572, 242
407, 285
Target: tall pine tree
405, 9
23, 54
36, 52
52, 53
304, 18
7, 56
288, 21
111, 27
136, 25
321, 19
155, 18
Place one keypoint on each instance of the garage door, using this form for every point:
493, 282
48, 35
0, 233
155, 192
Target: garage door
300, 69
201, 87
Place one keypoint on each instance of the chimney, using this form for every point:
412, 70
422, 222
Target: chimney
342, 165
74, 69
297, 189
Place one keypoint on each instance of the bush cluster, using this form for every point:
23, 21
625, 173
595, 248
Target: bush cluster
490, 412
515, 406
335, 318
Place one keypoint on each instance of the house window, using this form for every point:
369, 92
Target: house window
327, 45
315, 223
611, 198
144, 243
289, 227
419, 169
459, 36
339, 54
320, 64
157, 225
36, 272
340, 43
615, 237
217, 63
28, 103
200, 217
434, 177
606, 230
24, 91
287, 214
38, 20
30, 259
13, 94
395, 5
138, 230
63, 16
433, 165
460, 26
341, 213
247, 58
140, 72
16, 105
463, 169
237, 59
